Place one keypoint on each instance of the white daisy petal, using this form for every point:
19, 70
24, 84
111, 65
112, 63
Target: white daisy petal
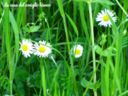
104, 19
43, 49
26, 47
77, 50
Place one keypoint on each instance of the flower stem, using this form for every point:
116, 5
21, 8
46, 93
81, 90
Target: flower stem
43, 77
10, 87
92, 39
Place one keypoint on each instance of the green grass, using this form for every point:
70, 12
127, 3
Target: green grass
102, 70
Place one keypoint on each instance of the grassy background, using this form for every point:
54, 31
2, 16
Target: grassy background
65, 23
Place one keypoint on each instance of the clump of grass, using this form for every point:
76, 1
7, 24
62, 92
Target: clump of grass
86, 59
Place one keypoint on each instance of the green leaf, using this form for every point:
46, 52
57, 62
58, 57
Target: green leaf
98, 49
125, 42
34, 28
31, 29
73, 24
16, 33
41, 16
103, 39
4, 82
106, 2
60, 5
110, 51
81, 0
90, 85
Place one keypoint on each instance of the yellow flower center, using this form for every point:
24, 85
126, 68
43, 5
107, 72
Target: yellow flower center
24, 47
106, 18
42, 48
77, 51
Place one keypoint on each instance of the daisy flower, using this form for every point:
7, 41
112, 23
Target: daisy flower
26, 47
77, 50
42, 49
104, 18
